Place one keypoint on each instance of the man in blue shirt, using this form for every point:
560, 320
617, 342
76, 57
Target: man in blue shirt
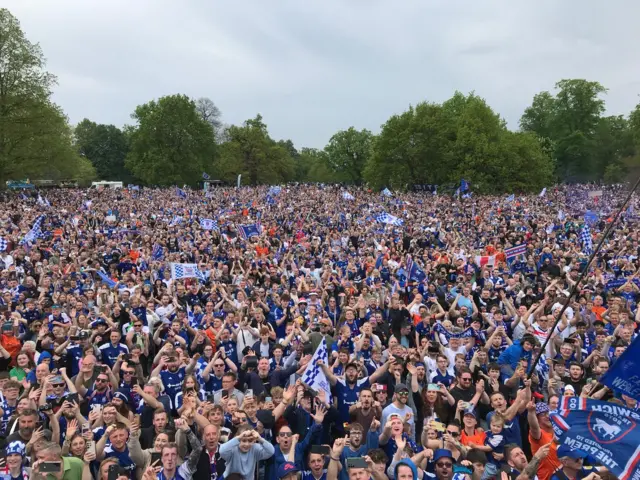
347, 389
112, 350
173, 376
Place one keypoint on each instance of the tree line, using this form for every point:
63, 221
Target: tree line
563, 136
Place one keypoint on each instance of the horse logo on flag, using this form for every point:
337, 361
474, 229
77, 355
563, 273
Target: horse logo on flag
611, 428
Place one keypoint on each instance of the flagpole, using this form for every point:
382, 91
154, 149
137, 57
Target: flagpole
574, 288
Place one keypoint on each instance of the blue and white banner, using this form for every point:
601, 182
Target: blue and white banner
612, 440
388, 219
624, 375
157, 253
35, 232
569, 404
314, 376
181, 193
248, 231
543, 192
205, 176
106, 279
348, 196
386, 192
185, 270
208, 224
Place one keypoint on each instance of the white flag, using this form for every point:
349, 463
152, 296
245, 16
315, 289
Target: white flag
314, 376
185, 270
543, 192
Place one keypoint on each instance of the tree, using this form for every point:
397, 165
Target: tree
570, 120
348, 151
210, 113
34, 133
171, 143
413, 147
250, 151
105, 146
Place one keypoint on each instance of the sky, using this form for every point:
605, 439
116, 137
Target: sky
312, 68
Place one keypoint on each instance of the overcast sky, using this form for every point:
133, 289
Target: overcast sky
312, 68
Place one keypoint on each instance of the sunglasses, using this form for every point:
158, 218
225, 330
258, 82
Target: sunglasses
444, 465
129, 372
466, 379
137, 325
218, 364
285, 434
57, 385
403, 394
102, 380
453, 434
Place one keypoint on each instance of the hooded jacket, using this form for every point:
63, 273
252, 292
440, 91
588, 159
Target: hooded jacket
408, 463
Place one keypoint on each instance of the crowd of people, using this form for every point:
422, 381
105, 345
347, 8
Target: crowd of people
119, 366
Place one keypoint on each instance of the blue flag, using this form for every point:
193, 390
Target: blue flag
612, 440
464, 185
181, 193
624, 375
205, 176
379, 261
590, 217
157, 253
106, 279
248, 231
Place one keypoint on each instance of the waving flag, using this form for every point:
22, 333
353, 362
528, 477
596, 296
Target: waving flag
248, 231
3, 244
388, 219
386, 192
511, 198
208, 224
348, 196
181, 193
275, 190
561, 215
177, 220
414, 271
314, 376
513, 252
379, 261
464, 185
35, 232
585, 238
185, 270
106, 279
205, 176
157, 253
543, 192
485, 260
624, 375
613, 440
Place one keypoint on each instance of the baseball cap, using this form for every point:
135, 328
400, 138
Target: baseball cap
470, 411
287, 468
400, 387
567, 451
442, 453
83, 335
351, 364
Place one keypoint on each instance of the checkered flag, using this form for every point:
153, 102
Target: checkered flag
186, 270
3, 244
388, 219
314, 377
585, 239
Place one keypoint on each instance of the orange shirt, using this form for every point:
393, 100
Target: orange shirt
598, 311
551, 463
12, 345
478, 438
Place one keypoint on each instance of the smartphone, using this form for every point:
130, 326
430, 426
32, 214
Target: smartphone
85, 428
268, 399
321, 449
116, 471
72, 397
50, 467
248, 393
155, 457
45, 407
225, 394
211, 397
356, 462
438, 426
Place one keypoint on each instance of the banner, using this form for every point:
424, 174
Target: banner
185, 270
624, 375
314, 376
587, 404
612, 440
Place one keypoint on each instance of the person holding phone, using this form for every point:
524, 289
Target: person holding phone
51, 463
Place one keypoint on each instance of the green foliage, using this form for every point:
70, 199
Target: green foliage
348, 151
584, 143
250, 151
106, 147
462, 138
171, 143
614, 173
35, 139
